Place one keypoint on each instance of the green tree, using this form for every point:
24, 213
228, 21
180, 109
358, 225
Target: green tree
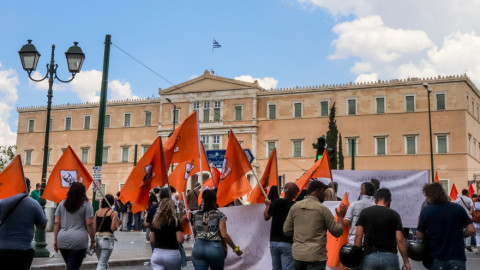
341, 164
332, 137
7, 154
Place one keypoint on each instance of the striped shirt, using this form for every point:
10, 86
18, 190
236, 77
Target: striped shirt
353, 212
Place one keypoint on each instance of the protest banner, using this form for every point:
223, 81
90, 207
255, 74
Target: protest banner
406, 188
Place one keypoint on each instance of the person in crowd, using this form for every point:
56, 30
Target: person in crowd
308, 222
334, 185
475, 214
367, 190
330, 195
376, 183
473, 239
280, 244
152, 201
380, 232
303, 193
273, 194
130, 217
166, 235
164, 193
106, 223
137, 221
73, 225
19, 214
210, 230
36, 193
444, 225
122, 208
192, 197
466, 203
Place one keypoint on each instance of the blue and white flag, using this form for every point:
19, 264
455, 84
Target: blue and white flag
216, 44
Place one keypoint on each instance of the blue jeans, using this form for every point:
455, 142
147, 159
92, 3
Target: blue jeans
104, 250
208, 253
282, 258
448, 265
381, 261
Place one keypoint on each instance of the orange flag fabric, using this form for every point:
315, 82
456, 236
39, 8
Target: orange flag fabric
471, 190
69, 169
335, 244
233, 183
269, 179
454, 193
321, 169
179, 177
150, 172
436, 178
210, 183
12, 180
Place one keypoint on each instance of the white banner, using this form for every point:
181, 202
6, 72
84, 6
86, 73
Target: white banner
406, 188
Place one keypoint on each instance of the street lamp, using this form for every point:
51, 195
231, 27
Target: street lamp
29, 57
174, 115
429, 91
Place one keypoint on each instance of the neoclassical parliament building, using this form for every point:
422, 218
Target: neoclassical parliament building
385, 121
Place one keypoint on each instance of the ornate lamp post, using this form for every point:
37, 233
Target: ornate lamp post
29, 57
429, 91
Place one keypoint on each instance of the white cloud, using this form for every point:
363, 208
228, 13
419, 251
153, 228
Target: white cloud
43, 85
266, 82
371, 77
361, 67
193, 77
8, 97
121, 90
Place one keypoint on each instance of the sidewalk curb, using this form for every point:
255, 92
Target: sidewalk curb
93, 264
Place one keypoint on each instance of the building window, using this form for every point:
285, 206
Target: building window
50, 124
175, 114
470, 144
297, 109
125, 152
68, 123
127, 119
297, 148
272, 111
216, 142
148, 118
86, 122
445, 185
105, 155
410, 103
238, 113
324, 108
270, 146
206, 111
145, 149
84, 155
48, 156
380, 103
411, 145
352, 147
381, 146
63, 150
442, 144
205, 141
196, 106
217, 111
28, 157
106, 124
440, 102
31, 125
474, 148
468, 102
352, 106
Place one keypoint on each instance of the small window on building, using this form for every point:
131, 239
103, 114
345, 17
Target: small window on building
381, 146
324, 108
28, 157
86, 122
297, 148
50, 124
84, 155
105, 155
297, 110
445, 185
216, 142
196, 106
470, 144
127, 119
148, 118
380, 104
442, 144
352, 147
176, 114
411, 145
31, 125
238, 113
440, 102
68, 123
468, 102
206, 111
125, 152
145, 148
410, 103
205, 141
217, 111
106, 124
270, 146
48, 156
272, 111
352, 106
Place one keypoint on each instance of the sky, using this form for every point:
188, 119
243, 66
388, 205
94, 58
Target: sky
280, 43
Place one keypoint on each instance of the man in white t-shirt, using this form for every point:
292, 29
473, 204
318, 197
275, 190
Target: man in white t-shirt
466, 203
367, 190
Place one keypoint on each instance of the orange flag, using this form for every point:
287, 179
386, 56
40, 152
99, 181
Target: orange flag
69, 169
183, 145
335, 244
179, 177
210, 183
321, 169
471, 190
269, 179
436, 178
454, 193
233, 183
150, 172
12, 180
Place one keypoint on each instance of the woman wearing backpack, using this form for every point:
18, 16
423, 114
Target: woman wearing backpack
475, 213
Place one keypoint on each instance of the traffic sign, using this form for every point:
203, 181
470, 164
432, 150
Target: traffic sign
216, 157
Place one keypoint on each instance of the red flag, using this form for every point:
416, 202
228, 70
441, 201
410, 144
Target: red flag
233, 183
150, 172
454, 193
335, 244
269, 179
471, 190
12, 180
436, 178
321, 169
69, 169
183, 145
179, 177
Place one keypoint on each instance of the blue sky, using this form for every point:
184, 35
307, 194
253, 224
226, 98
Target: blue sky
281, 43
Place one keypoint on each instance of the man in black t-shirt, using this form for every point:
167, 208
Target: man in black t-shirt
380, 230
280, 244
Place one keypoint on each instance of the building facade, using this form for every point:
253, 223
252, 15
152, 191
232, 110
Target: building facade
386, 122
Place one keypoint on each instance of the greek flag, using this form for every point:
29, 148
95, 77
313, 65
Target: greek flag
216, 44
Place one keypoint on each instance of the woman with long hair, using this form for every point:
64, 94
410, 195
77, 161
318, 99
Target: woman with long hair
106, 222
210, 231
73, 226
165, 236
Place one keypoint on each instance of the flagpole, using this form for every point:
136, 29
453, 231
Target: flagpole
200, 152
276, 167
164, 161
261, 187
211, 64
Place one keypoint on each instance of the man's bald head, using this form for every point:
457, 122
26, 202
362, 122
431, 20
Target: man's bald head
291, 190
